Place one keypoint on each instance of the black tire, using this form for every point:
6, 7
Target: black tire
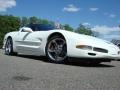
56, 50
9, 47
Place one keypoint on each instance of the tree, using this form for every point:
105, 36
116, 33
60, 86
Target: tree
45, 21
33, 20
84, 30
68, 27
39, 21
51, 23
24, 21
8, 23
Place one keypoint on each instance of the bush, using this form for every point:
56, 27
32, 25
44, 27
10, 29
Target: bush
7, 24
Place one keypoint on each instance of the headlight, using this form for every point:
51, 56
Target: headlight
85, 47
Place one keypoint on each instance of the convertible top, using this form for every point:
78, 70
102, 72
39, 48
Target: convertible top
41, 27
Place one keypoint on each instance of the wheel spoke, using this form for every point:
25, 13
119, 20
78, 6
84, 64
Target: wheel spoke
55, 43
50, 50
56, 57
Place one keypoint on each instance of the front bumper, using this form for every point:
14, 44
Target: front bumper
79, 53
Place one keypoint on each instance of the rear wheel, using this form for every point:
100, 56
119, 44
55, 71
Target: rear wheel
9, 47
56, 49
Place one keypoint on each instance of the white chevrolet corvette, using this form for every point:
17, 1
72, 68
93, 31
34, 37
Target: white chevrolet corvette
57, 44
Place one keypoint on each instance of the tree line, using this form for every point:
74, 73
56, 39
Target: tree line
10, 23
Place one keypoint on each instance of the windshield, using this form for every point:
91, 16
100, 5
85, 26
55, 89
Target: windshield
41, 27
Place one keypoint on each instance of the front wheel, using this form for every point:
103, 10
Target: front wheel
56, 49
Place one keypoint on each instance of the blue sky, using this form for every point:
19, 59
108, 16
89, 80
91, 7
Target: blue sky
102, 16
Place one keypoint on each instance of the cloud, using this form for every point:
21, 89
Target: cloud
94, 9
114, 36
105, 29
110, 37
4, 4
112, 15
106, 32
71, 8
86, 24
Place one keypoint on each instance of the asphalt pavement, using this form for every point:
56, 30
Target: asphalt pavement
34, 73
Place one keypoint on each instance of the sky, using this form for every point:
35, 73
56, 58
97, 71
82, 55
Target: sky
102, 16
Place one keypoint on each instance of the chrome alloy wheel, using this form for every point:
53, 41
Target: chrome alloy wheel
57, 49
8, 47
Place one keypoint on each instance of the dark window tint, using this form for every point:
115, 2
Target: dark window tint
41, 27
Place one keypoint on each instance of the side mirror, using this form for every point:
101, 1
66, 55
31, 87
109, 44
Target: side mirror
25, 29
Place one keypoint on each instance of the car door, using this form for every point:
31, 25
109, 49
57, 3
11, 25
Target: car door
26, 43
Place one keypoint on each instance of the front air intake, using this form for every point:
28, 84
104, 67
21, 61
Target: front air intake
100, 50
92, 54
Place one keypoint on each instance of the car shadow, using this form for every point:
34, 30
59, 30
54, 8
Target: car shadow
81, 64
40, 58
70, 63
